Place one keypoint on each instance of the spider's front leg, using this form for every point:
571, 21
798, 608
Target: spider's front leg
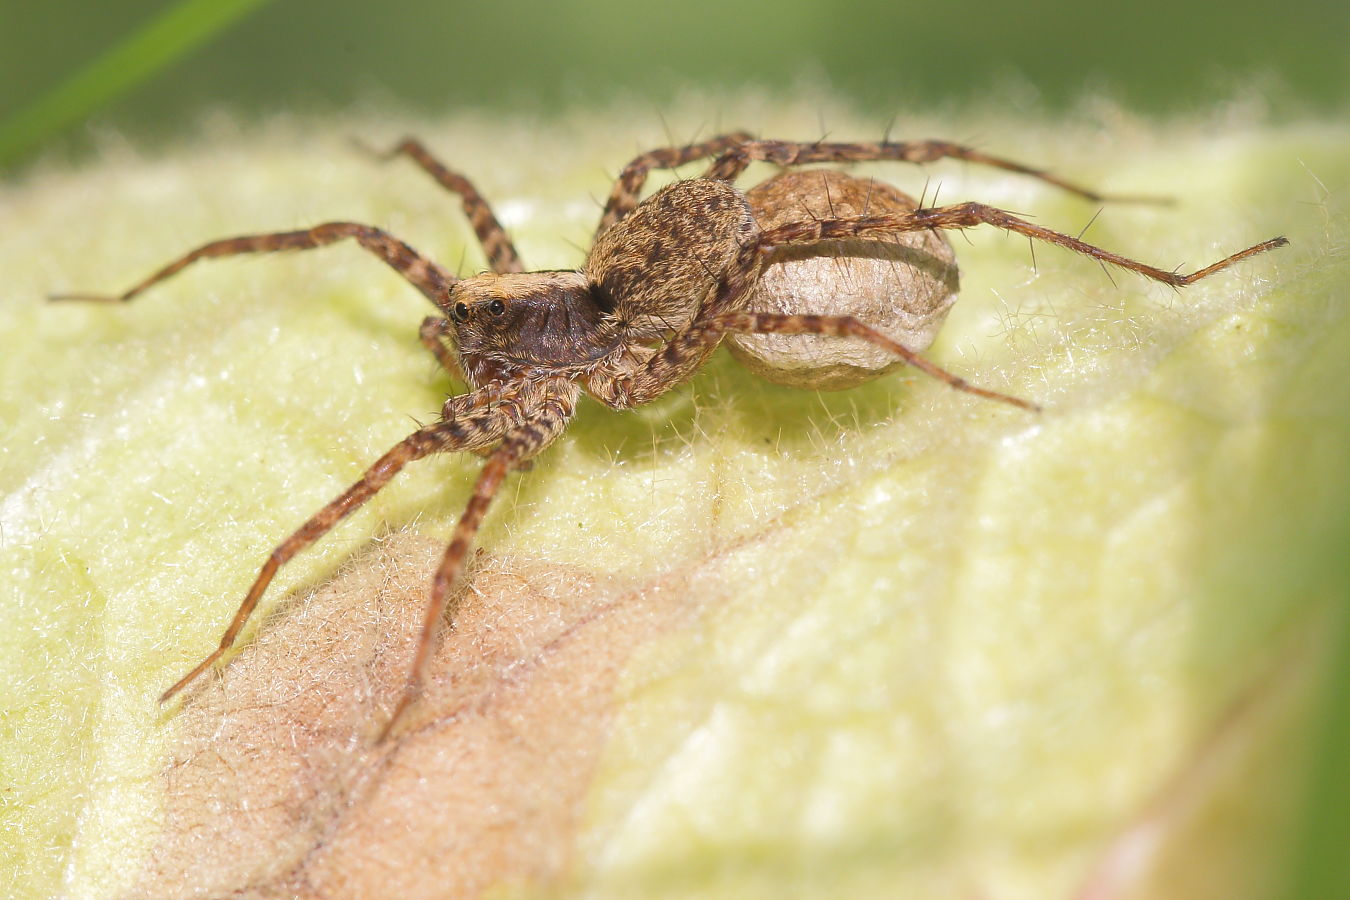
541, 413
471, 421
497, 246
420, 271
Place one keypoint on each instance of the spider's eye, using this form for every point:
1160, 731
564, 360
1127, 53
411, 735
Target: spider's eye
496, 307
460, 312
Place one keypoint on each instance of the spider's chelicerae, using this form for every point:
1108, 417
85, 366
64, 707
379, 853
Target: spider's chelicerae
665, 280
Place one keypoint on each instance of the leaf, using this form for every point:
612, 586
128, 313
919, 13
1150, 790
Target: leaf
745, 642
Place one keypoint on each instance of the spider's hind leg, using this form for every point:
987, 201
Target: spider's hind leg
738, 157
849, 326
968, 215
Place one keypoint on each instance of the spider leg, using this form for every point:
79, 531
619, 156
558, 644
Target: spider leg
478, 426
424, 274
848, 326
623, 196
738, 157
432, 334
496, 243
686, 352
735, 152
546, 416
968, 215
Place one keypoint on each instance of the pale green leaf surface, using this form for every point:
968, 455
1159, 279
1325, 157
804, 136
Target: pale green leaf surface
928, 646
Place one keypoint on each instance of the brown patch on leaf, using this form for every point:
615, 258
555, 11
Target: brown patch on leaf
277, 790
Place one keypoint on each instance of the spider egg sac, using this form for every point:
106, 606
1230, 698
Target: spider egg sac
902, 285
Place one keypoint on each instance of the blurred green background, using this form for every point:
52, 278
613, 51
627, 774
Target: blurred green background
151, 69
259, 56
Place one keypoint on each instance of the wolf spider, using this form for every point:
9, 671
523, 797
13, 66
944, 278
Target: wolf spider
664, 281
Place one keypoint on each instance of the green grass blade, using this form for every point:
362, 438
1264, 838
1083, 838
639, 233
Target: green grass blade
155, 45
1320, 866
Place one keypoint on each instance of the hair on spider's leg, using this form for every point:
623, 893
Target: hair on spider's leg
477, 427
867, 201
886, 132
829, 201
422, 273
1109, 277
1085, 228
670, 132
496, 243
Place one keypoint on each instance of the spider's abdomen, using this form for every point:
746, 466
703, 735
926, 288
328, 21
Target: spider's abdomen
651, 271
901, 284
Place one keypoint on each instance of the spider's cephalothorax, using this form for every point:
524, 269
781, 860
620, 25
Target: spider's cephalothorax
645, 279
508, 325
666, 280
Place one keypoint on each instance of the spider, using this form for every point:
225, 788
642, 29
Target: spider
664, 281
